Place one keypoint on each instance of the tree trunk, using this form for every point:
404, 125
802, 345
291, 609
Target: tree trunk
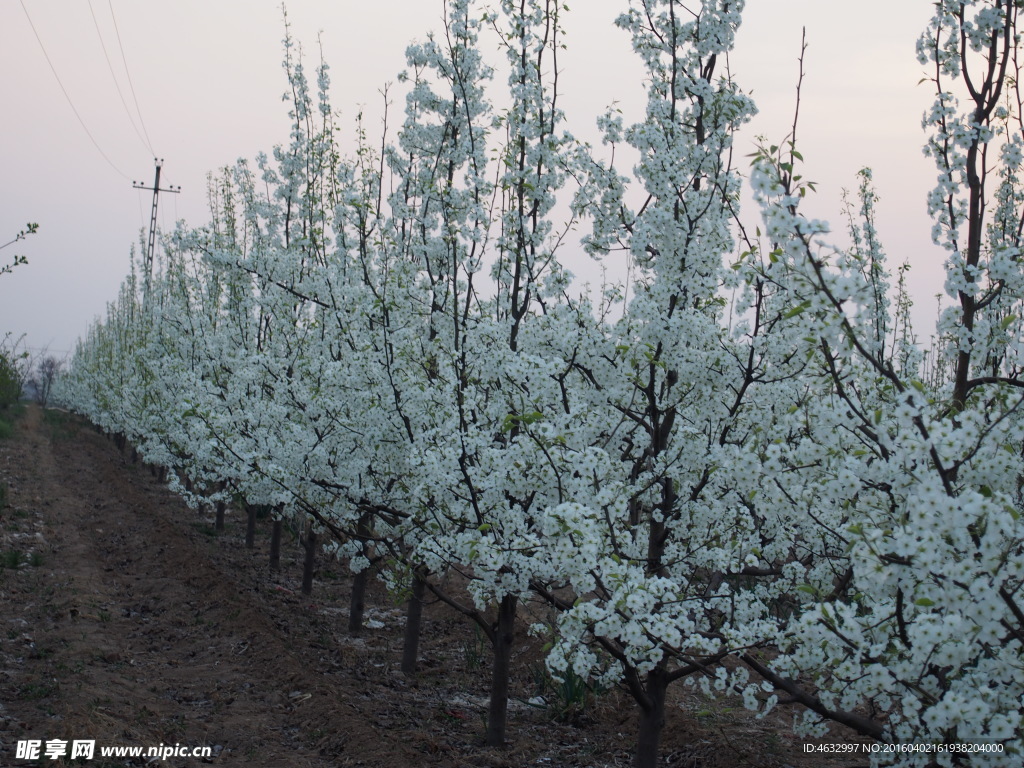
250, 525
310, 561
275, 544
652, 720
413, 624
357, 604
218, 522
504, 636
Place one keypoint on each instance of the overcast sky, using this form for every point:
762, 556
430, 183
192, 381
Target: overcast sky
207, 79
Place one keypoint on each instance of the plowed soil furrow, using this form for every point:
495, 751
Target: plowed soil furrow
129, 633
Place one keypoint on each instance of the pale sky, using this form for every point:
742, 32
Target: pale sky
208, 80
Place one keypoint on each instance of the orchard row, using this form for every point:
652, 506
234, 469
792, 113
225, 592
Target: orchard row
737, 454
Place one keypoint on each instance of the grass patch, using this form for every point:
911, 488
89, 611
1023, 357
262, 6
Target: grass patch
60, 422
35, 691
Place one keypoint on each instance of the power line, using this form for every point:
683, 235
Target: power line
66, 96
129, 75
116, 84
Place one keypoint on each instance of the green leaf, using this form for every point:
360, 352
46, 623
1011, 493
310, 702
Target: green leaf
924, 602
533, 416
798, 309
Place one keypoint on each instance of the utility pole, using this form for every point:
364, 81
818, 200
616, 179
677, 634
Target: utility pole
152, 220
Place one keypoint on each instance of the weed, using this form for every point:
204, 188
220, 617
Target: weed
206, 529
104, 616
567, 699
714, 712
475, 650
7, 418
263, 511
12, 558
35, 559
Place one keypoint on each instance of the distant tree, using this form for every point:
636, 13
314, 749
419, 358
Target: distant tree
10, 383
46, 372
12, 370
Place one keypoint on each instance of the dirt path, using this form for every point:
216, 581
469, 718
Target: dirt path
126, 631
125, 619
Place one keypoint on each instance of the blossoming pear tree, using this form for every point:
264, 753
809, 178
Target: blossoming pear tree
923, 630
675, 554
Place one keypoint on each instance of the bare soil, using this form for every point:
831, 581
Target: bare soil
125, 618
